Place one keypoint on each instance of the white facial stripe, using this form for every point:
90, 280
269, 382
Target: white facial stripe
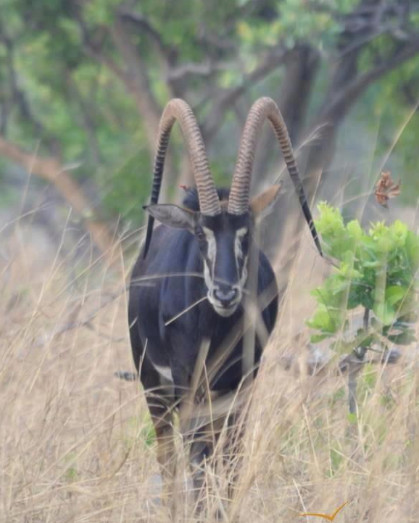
212, 247
243, 278
207, 278
238, 251
241, 232
211, 255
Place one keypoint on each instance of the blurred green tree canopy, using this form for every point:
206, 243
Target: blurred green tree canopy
84, 82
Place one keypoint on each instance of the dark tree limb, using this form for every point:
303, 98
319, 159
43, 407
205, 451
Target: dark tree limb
204, 69
141, 22
345, 97
341, 97
228, 97
133, 75
295, 89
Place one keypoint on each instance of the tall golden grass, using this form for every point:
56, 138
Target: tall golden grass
75, 441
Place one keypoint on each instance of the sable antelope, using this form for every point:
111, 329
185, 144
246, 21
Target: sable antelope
196, 272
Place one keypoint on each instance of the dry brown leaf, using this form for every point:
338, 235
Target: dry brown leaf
386, 188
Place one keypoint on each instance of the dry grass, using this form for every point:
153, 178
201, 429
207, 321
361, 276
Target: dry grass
74, 440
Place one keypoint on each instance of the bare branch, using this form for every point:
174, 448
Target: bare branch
143, 23
205, 68
228, 97
369, 21
345, 97
51, 170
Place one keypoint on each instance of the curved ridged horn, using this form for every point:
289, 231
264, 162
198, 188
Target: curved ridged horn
262, 109
177, 109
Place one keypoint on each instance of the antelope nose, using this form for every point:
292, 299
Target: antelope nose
225, 296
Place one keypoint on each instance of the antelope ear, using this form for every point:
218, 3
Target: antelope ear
262, 204
173, 215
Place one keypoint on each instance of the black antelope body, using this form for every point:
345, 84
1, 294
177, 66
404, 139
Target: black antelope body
196, 273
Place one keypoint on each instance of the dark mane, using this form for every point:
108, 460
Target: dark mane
190, 200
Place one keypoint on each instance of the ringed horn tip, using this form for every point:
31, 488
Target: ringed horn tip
178, 110
264, 109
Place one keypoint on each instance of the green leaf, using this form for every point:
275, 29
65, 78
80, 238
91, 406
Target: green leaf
412, 249
385, 313
395, 294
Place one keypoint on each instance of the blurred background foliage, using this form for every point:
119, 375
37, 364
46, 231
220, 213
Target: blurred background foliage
83, 83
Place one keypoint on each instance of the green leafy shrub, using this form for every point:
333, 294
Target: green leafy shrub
376, 270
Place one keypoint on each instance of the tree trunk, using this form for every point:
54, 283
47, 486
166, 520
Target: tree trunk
301, 66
